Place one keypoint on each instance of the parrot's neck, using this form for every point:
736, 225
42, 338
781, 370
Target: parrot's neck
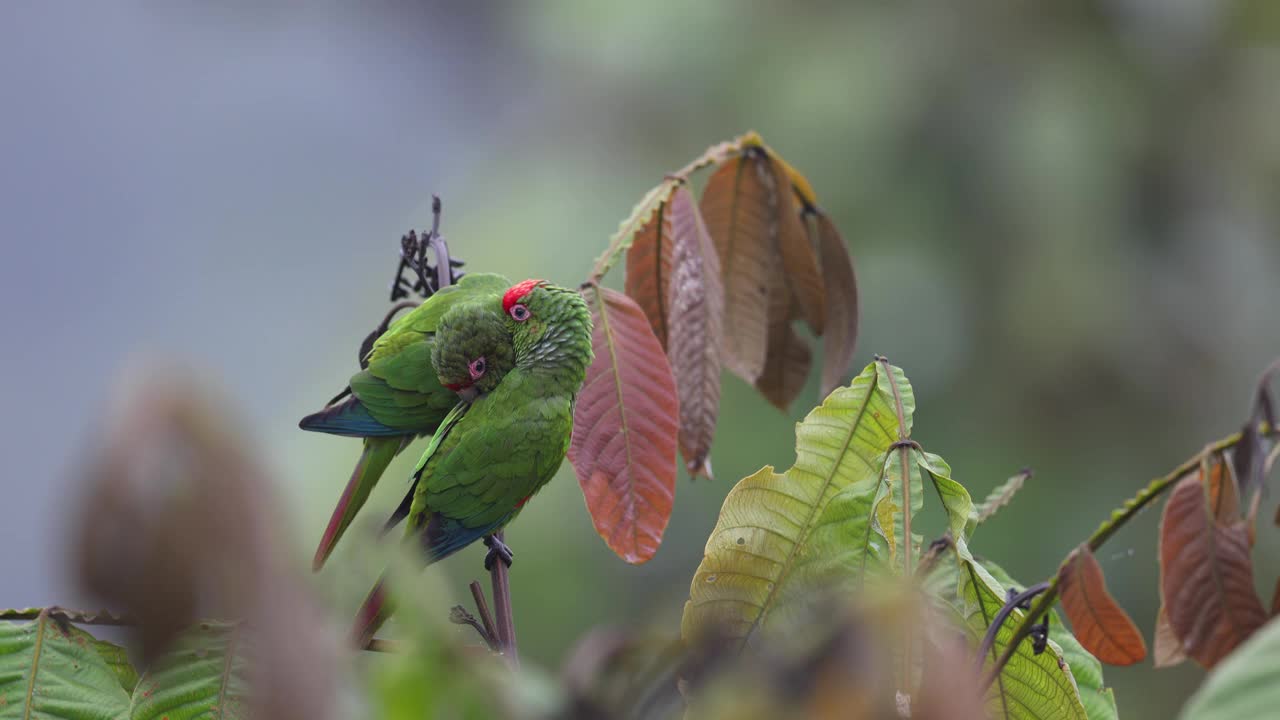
562, 354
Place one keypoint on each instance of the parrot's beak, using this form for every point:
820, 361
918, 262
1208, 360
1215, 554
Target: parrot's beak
469, 393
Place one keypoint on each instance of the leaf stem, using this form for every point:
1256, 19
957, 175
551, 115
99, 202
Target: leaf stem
1109, 527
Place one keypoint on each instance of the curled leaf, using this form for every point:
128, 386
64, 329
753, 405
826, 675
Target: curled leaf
788, 358
649, 268
1206, 577
799, 258
738, 205
624, 429
840, 336
1099, 623
696, 335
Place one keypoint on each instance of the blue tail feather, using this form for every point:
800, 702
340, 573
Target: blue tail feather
350, 418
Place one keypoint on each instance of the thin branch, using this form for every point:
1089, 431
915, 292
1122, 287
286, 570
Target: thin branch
482, 607
498, 576
1153, 490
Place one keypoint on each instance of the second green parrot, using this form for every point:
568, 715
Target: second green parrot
397, 397
491, 455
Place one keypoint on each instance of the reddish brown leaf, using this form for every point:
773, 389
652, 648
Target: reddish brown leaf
739, 206
1224, 498
697, 309
1206, 577
799, 259
788, 361
1168, 648
624, 429
841, 285
1100, 624
648, 272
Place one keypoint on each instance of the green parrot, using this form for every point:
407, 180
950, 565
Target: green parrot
397, 397
490, 455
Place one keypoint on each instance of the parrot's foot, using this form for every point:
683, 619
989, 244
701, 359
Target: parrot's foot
498, 550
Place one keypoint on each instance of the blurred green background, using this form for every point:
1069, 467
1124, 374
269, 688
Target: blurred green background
1065, 219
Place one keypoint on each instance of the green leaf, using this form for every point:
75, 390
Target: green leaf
1098, 699
53, 671
202, 676
1031, 687
781, 536
955, 498
1244, 684
889, 517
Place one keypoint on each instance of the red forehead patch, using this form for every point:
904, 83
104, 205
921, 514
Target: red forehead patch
517, 292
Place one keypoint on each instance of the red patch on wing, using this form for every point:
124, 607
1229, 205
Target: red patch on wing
522, 502
517, 292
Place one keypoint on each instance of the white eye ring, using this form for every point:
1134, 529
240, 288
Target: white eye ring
519, 313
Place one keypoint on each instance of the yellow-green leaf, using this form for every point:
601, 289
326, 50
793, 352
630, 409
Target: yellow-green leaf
779, 536
1030, 687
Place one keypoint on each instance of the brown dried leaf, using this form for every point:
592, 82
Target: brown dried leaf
841, 336
648, 271
624, 429
1206, 577
697, 310
799, 259
1099, 623
1168, 648
739, 207
788, 361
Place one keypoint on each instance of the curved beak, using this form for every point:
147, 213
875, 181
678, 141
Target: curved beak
469, 393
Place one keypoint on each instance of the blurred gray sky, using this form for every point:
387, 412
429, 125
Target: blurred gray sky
201, 180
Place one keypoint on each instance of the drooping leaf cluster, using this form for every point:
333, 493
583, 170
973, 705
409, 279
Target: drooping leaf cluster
721, 281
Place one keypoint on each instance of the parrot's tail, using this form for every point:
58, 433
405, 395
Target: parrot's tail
377, 455
350, 418
375, 610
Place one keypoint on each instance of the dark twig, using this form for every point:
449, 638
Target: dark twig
482, 607
367, 345
1016, 601
502, 607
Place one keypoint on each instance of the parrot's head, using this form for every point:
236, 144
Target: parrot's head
550, 325
472, 350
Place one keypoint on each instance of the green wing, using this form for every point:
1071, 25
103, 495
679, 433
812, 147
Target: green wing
446, 437
509, 445
400, 388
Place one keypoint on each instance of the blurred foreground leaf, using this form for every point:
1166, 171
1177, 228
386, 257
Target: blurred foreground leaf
51, 669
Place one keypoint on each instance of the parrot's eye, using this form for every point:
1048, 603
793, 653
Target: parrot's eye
477, 368
519, 313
